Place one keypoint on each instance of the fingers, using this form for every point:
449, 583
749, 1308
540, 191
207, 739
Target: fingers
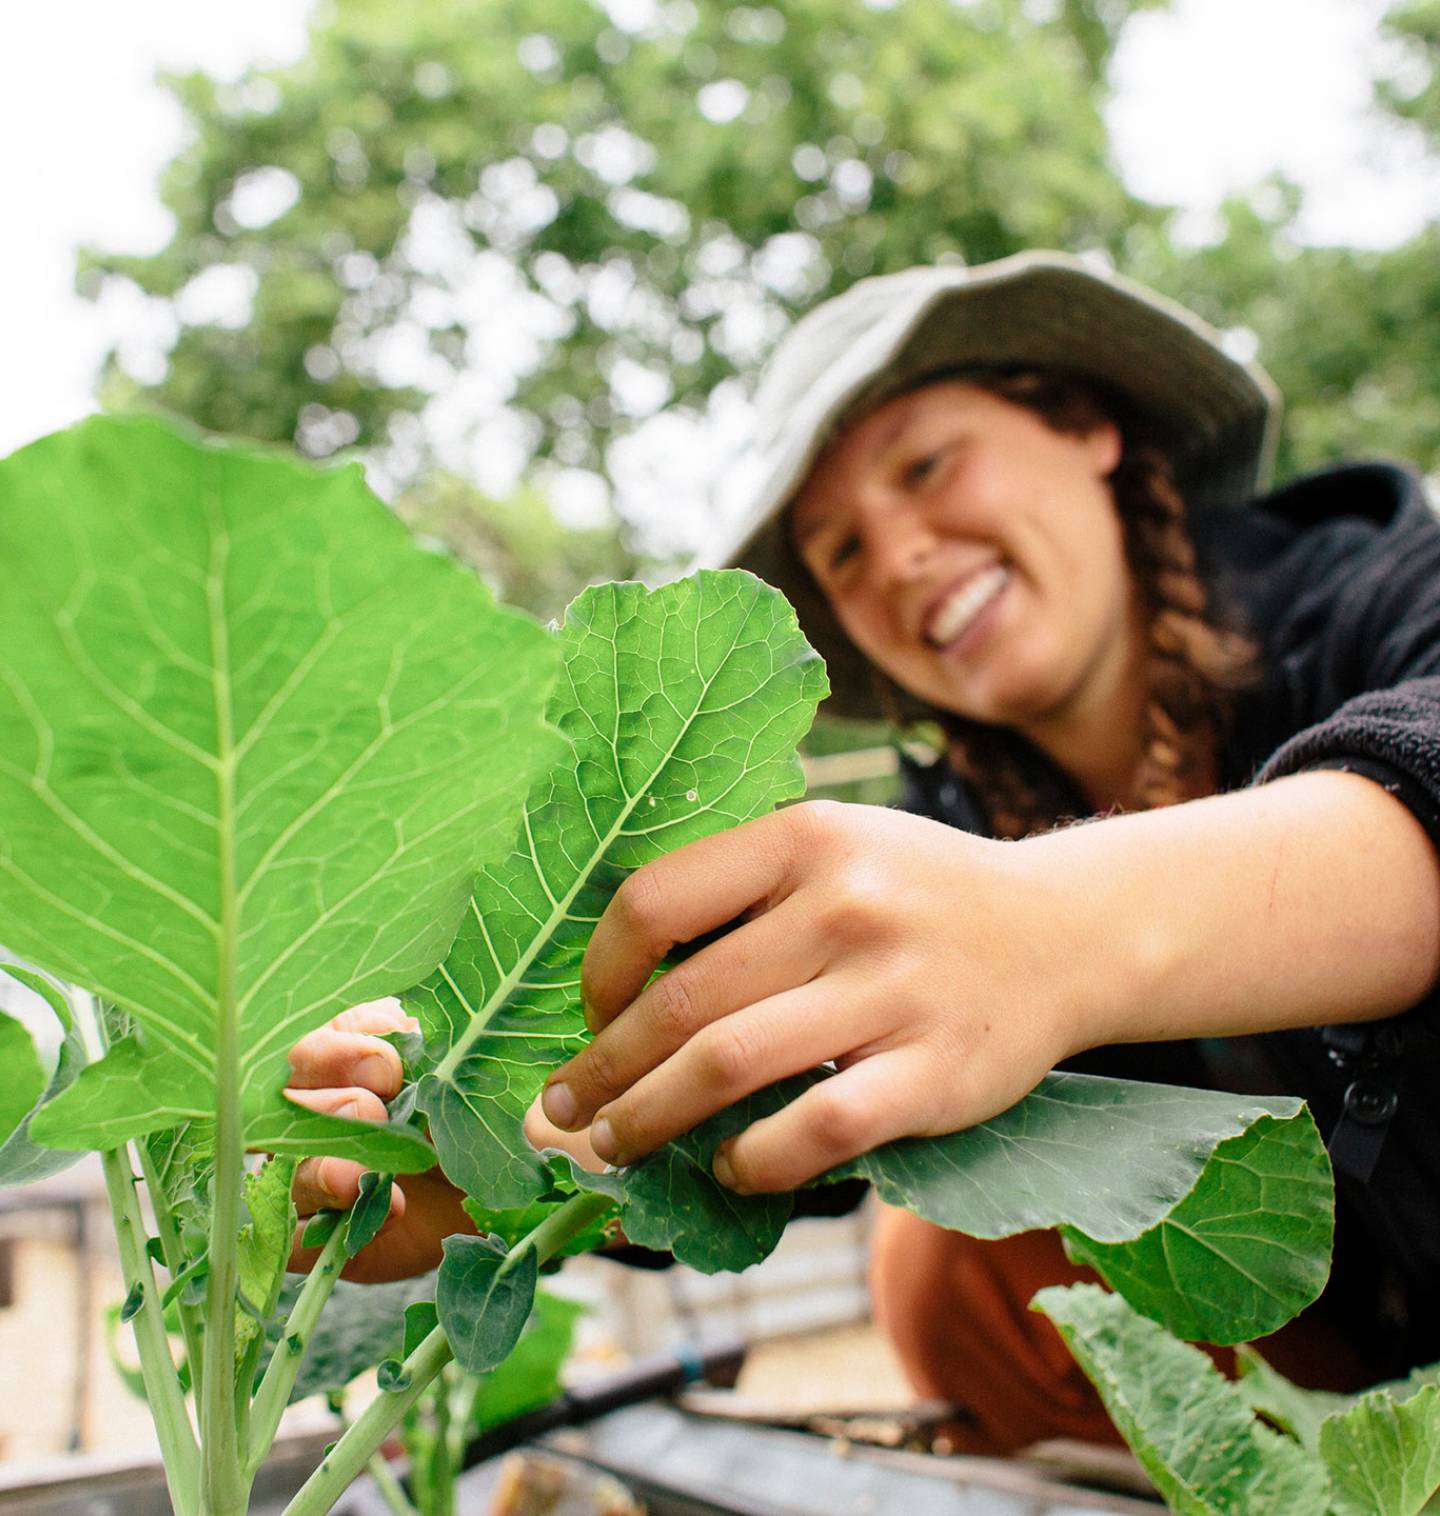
677, 898
732, 1058
751, 964
870, 1103
330, 1184
333, 1056
541, 1133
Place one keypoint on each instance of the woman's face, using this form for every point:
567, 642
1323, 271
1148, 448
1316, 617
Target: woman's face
976, 556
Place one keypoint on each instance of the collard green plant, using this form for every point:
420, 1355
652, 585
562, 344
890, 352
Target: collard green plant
266, 757
1198, 1437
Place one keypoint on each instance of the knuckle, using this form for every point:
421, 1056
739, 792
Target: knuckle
729, 1053
839, 1124
640, 901
598, 1070
674, 1010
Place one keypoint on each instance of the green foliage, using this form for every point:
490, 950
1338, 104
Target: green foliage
530, 1376
1376, 1454
664, 199
1194, 1433
23, 1159
219, 691
262, 757
24, 1076
682, 707
483, 1297
1244, 1251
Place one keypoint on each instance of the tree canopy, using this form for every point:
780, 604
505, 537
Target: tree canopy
592, 216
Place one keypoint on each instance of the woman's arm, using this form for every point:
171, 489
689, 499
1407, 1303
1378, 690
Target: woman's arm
945, 974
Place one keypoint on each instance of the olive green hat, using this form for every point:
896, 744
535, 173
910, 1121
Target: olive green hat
1215, 415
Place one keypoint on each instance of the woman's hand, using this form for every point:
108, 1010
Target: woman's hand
933, 967
345, 1069
945, 974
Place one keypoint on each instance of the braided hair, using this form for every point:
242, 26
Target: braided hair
1194, 664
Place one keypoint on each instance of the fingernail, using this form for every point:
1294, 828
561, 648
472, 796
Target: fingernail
350, 1111
588, 1011
721, 1167
558, 1103
602, 1139
325, 1182
375, 1072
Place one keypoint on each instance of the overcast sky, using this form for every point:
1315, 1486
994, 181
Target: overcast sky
1211, 97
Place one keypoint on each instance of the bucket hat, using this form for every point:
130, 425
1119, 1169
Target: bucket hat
1215, 415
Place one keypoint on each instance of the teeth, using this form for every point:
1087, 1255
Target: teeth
965, 605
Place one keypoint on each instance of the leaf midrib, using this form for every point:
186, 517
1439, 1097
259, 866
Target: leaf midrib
481, 1017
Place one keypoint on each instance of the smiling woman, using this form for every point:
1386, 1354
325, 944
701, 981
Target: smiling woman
1019, 501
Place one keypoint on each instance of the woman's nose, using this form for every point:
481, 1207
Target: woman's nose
900, 547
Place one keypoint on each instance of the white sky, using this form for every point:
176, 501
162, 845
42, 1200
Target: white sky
1211, 98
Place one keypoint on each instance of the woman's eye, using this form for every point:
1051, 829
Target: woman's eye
919, 469
842, 551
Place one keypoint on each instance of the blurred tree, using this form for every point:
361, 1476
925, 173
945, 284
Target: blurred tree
516, 543
606, 210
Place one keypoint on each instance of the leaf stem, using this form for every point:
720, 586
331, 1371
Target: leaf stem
365, 1434
274, 1393
178, 1448
192, 1326
391, 1490
363, 1438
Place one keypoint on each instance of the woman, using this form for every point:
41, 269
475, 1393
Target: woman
1016, 501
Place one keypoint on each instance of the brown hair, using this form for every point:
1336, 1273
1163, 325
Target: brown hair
1195, 664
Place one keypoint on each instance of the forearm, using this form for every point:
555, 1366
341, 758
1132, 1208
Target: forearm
1309, 901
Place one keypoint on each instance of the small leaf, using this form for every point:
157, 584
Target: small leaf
420, 1320
392, 1376
263, 1246
1297, 1411
1383, 1455
320, 1228
133, 1301
483, 1298
24, 1081
23, 1160
130, 1092
368, 1213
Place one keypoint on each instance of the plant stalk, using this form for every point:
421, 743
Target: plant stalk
362, 1439
391, 1490
192, 1325
178, 1448
274, 1393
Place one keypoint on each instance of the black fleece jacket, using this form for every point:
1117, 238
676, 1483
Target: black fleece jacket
1337, 577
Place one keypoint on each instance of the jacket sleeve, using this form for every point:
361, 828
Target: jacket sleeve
1355, 658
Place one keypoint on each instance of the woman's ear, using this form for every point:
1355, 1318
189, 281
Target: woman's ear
1106, 447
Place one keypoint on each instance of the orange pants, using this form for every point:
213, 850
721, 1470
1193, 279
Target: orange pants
956, 1311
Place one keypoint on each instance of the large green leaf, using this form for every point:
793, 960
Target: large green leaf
1244, 1251
257, 742
1191, 1429
1383, 1454
683, 707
